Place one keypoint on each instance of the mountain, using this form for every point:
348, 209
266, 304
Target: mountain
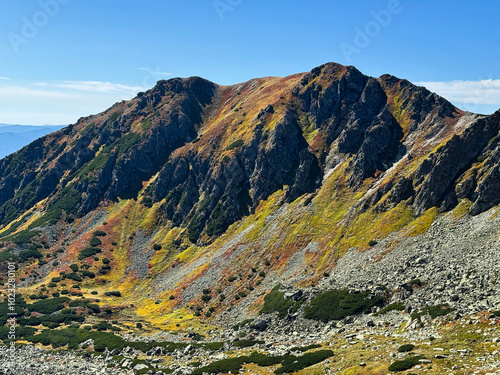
319, 200
14, 137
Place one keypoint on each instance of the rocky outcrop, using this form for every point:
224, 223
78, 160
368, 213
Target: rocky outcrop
439, 173
212, 193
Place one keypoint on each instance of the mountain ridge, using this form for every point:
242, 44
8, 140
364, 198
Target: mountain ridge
303, 210
346, 145
205, 156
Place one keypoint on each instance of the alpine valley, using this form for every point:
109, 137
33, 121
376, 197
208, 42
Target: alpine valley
323, 223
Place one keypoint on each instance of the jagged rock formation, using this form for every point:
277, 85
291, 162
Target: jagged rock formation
216, 152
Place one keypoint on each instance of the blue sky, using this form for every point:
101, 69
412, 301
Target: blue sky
63, 59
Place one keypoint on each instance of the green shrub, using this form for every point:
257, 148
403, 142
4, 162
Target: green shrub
102, 326
246, 343
156, 247
217, 222
339, 304
265, 360
73, 276
21, 332
274, 301
405, 364
51, 320
74, 267
213, 346
23, 237
113, 294
94, 241
242, 324
235, 144
48, 306
194, 228
20, 304
406, 348
292, 364
78, 302
72, 337
99, 233
433, 311
494, 139
410, 284
88, 252
396, 306
88, 274
6, 255
229, 365
305, 348
32, 252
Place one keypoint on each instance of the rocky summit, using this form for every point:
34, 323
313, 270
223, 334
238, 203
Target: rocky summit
323, 223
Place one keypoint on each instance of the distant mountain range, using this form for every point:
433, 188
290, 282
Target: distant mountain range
15, 137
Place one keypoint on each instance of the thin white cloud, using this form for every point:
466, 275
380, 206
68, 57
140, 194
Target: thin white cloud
27, 92
4, 79
60, 102
92, 86
475, 92
156, 72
